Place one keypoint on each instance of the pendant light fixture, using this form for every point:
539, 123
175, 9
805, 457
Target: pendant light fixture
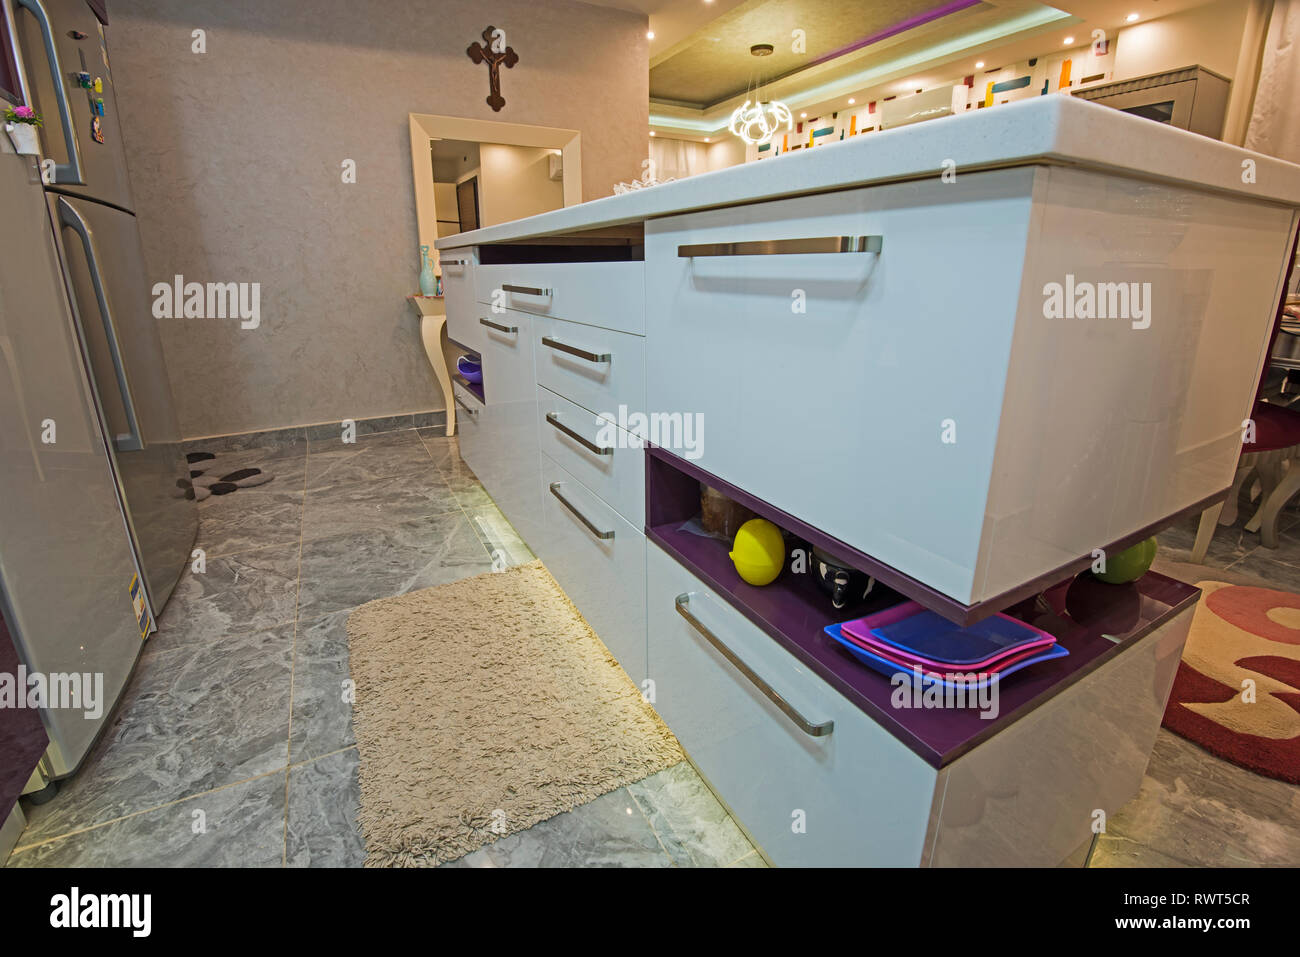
758, 119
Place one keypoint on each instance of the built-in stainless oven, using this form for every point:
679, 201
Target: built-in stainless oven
1191, 98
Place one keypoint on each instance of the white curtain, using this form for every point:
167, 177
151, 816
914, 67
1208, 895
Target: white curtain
678, 159
1275, 119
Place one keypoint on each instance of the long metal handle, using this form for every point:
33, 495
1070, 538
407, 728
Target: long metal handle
69, 173
132, 441
528, 290
785, 247
559, 346
452, 262
602, 535
817, 729
463, 404
496, 325
582, 440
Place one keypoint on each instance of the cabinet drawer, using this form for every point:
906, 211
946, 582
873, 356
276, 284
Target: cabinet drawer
597, 368
610, 295
471, 439
600, 565
616, 473
885, 348
458, 295
855, 796
509, 421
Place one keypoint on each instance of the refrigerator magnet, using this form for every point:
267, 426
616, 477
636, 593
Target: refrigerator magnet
96, 129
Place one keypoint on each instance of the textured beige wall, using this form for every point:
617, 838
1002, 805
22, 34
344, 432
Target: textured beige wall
235, 157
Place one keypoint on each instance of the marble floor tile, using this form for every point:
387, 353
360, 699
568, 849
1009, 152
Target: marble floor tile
348, 570
333, 462
752, 859
235, 594
188, 722
250, 519
1267, 565
375, 503
237, 826
693, 827
324, 798
1204, 812
610, 831
443, 449
465, 486
498, 535
322, 718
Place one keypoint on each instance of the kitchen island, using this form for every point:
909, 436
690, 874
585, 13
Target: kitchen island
968, 358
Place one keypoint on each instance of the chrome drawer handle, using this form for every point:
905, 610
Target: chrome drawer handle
497, 326
818, 730
603, 536
559, 346
554, 419
528, 290
785, 247
453, 262
463, 404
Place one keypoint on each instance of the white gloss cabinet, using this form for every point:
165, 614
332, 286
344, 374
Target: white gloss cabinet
599, 560
853, 797
918, 404
511, 464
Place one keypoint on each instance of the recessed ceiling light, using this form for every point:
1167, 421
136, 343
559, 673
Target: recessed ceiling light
1131, 17
706, 139
652, 132
649, 34
803, 116
1069, 40
852, 101
979, 64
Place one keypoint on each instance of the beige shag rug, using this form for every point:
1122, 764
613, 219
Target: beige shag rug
483, 707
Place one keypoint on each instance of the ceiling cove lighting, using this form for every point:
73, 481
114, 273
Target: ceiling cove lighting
1069, 40
979, 64
952, 47
1130, 18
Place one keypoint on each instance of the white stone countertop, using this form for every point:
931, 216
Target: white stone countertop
1053, 129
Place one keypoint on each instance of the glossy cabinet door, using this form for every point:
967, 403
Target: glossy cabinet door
599, 369
458, 267
599, 561
603, 457
853, 797
825, 380
610, 295
510, 419
471, 438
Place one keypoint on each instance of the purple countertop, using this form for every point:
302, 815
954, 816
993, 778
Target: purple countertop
793, 611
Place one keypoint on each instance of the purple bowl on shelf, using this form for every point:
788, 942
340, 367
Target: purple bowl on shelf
470, 370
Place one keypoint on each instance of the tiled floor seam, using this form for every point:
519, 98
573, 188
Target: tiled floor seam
147, 810
650, 824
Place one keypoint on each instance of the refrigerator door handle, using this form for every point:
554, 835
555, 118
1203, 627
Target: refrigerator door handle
69, 173
68, 216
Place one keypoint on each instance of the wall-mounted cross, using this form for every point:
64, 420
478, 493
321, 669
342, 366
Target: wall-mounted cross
494, 52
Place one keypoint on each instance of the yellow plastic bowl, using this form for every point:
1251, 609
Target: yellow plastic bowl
758, 551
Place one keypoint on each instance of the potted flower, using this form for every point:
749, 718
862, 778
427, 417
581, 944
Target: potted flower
21, 123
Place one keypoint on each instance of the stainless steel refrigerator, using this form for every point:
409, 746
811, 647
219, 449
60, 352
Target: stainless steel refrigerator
95, 526
64, 73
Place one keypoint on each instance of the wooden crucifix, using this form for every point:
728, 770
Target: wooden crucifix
494, 52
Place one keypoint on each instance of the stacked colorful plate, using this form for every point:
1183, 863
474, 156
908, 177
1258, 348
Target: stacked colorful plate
909, 640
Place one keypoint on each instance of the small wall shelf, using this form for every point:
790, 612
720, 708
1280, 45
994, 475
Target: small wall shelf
1093, 621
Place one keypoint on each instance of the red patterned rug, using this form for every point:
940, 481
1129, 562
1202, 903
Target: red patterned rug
1237, 692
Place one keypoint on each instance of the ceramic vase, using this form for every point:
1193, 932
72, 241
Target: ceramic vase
428, 281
